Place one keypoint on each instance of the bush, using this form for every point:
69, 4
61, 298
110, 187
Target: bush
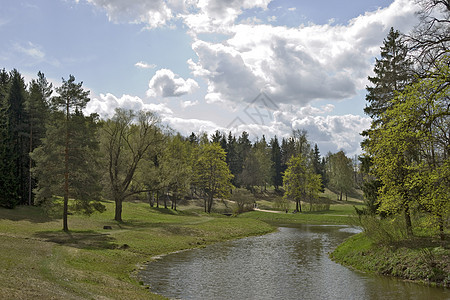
315, 207
383, 230
244, 200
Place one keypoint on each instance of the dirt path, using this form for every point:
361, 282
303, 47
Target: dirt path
271, 211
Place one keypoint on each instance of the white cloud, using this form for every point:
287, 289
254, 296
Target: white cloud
188, 103
144, 65
297, 65
31, 50
105, 105
167, 84
152, 13
292, 8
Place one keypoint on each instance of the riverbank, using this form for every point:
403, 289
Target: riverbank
40, 261
421, 259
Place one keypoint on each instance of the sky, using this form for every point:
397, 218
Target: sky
264, 66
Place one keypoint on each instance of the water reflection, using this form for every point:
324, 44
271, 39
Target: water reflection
292, 263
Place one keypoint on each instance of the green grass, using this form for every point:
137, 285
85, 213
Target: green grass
39, 260
419, 259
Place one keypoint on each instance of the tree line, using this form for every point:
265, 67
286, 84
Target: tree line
51, 150
407, 149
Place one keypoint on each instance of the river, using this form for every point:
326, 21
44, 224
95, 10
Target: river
291, 263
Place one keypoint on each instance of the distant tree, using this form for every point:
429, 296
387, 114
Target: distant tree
299, 181
211, 173
244, 200
257, 166
341, 174
319, 168
67, 160
276, 170
176, 164
126, 138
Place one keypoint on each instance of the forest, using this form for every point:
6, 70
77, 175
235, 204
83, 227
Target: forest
52, 151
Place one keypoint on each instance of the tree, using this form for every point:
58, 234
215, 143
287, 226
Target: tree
176, 165
430, 41
17, 142
299, 181
340, 173
38, 111
411, 149
393, 71
126, 138
276, 170
67, 160
319, 168
256, 167
211, 173
8, 196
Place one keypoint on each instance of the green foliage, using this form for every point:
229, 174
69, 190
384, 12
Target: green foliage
211, 173
411, 149
392, 74
300, 182
340, 173
125, 140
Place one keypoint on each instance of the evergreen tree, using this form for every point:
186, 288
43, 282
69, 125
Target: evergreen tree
392, 73
318, 166
66, 163
38, 110
17, 144
276, 170
8, 194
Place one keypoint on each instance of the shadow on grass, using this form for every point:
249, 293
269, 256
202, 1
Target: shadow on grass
80, 239
32, 214
422, 242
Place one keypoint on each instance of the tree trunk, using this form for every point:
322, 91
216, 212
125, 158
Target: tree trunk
66, 172
441, 228
408, 221
30, 195
340, 196
157, 199
118, 212
210, 202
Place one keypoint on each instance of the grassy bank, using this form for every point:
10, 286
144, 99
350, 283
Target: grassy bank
338, 214
421, 259
39, 261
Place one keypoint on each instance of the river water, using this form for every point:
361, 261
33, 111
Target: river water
291, 263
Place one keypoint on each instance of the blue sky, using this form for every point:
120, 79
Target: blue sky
202, 65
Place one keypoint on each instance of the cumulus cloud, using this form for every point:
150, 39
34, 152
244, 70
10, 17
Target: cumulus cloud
219, 15
152, 13
106, 104
297, 65
167, 84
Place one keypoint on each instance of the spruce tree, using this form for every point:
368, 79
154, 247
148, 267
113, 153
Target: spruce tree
66, 163
277, 177
392, 74
17, 141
